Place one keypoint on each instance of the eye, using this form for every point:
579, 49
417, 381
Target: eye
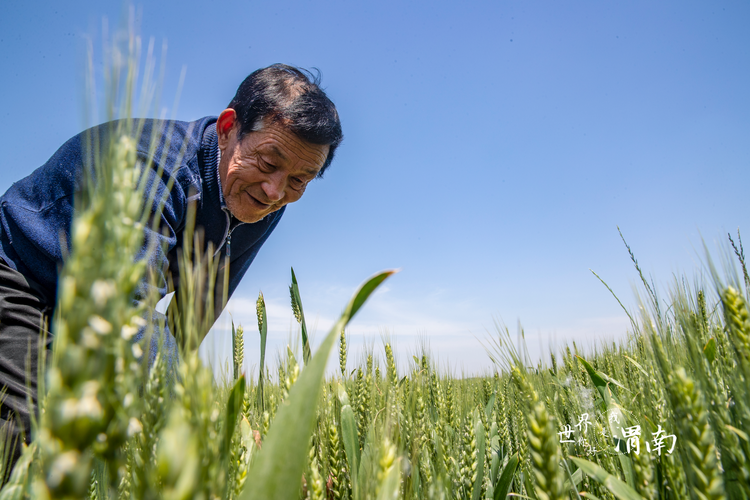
265, 166
297, 183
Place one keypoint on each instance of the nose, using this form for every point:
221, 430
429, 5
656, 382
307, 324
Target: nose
274, 187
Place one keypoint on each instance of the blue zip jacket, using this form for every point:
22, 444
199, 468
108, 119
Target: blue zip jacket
37, 210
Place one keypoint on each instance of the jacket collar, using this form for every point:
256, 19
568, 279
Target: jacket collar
209, 163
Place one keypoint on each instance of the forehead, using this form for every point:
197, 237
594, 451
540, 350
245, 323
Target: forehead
278, 141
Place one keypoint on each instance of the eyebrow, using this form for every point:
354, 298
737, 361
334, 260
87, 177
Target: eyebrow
311, 171
278, 152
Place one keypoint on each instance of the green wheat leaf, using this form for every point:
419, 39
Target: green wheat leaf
349, 436
600, 378
589, 495
234, 404
710, 350
618, 488
476, 491
506, 478
299, 314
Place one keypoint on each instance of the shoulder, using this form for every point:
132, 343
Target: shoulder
171, 140
162, 141
172, 148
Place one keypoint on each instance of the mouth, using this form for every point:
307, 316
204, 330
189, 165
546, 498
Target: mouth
256, 203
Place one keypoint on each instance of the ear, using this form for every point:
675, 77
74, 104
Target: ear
224, 126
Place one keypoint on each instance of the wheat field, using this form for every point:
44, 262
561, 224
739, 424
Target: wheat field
662, 414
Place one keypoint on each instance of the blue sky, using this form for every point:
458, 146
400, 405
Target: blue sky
491, 151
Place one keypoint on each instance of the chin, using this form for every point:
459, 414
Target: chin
253, 218
245, 215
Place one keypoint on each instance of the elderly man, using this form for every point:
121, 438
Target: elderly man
240, 169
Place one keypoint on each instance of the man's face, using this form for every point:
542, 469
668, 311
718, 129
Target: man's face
265, 170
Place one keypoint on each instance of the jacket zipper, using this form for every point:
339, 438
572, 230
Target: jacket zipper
227, 241
226, 234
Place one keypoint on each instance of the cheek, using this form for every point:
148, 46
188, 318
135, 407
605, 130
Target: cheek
231, 182
293, 195
238, 178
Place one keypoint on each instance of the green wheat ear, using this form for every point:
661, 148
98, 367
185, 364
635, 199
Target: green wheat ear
738, 322
543, 443
238, 350
342, 352
299, 315
260, 309
696, 436
740, 253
